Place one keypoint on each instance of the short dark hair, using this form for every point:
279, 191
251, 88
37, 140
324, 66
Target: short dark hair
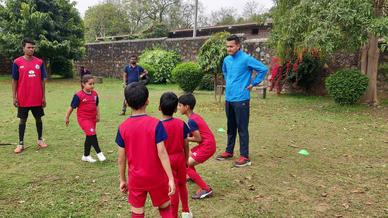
85, 78
133, 56
27, 40
136, 95
187, 99
168, 103
233, 38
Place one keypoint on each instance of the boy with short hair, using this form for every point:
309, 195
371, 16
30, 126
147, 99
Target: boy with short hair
177, 146
206, 147
141, 145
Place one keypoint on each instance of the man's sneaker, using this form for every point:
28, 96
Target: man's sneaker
202, 193
242, 162
19, 149
88, 159
101, 156
187, 215
41, 144
224, 156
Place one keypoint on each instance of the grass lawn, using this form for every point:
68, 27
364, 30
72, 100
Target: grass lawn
345, 174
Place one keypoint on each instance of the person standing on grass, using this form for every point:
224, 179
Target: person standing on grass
132, 73
88, 114
28, 89
237, 68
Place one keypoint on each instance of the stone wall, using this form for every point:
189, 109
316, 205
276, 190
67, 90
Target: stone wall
5, 65
109, 58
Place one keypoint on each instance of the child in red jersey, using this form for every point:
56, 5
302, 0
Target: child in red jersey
141, 145
88, 115
201, 134
177, 146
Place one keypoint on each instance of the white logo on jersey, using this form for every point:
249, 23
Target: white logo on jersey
37, 67
31, 73
91, 130
22, 67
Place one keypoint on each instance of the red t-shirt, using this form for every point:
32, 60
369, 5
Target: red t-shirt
196, 122
139, 135
29, 74
177, 132
87, 104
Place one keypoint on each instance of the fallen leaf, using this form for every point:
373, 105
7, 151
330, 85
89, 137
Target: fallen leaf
358, 191
324, 194
346, 206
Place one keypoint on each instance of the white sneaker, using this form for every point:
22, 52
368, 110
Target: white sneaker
101, 156
88, 159
187, 215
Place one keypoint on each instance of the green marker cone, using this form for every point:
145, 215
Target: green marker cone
304, 152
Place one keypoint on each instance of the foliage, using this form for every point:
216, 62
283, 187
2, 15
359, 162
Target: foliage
346, 86
188, 76
62, 66
55, 25
162, 61
105, 20
207, 82
151, 71
212, 53
157, 30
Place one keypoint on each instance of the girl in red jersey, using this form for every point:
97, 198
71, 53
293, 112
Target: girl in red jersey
88, 115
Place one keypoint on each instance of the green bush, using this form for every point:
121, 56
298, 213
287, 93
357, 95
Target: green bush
207, 82
150, 69
306, 72
188, 76
63, 67
212, 53
162, 61
346, 86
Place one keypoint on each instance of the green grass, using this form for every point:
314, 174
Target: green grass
344, 175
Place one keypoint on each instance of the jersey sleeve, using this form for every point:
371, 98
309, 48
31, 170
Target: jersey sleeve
186, 130
141, 70
43, 72
15, 71
120, 140
75, 102
97, 100
160, 133
193, 125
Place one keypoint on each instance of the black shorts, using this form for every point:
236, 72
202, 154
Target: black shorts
36, 111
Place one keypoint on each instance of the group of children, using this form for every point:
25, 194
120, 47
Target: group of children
156, 151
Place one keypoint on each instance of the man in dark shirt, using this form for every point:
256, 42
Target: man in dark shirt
132, 73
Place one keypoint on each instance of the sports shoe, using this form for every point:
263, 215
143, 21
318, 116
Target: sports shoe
19, 149
224, 156
242, 162
187, 215
122, 113
101, 156
41, 144
202, 193
88, 159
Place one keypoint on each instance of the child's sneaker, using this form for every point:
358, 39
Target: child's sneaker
202, 193
19, 149
242, 162
224, 156
101, 156
41, 144
88, 159
187, 215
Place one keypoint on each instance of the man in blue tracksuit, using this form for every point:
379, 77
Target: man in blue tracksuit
237, 68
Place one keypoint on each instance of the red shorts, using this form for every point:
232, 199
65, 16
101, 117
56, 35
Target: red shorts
178, 167
201, 153
88, 126
159, 196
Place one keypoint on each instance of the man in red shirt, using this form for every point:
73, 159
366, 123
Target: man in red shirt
141, 145
28, 88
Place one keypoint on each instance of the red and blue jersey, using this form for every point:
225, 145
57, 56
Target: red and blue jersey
177, 132
139, 136
29, 74
86, 103
196, 122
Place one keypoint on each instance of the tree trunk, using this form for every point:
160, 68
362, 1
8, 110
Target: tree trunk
369, 65
215, 86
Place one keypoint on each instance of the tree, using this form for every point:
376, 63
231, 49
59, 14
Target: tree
331, 26
224, 16
55, 25
105, 20
137, 19
156, 10
253, 9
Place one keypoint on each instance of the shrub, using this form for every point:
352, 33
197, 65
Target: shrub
62, 66
162, 61
347, 86
150, 70
212, 53
207, 82
188, 76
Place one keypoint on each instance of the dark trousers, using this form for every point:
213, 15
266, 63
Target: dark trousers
237, 114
